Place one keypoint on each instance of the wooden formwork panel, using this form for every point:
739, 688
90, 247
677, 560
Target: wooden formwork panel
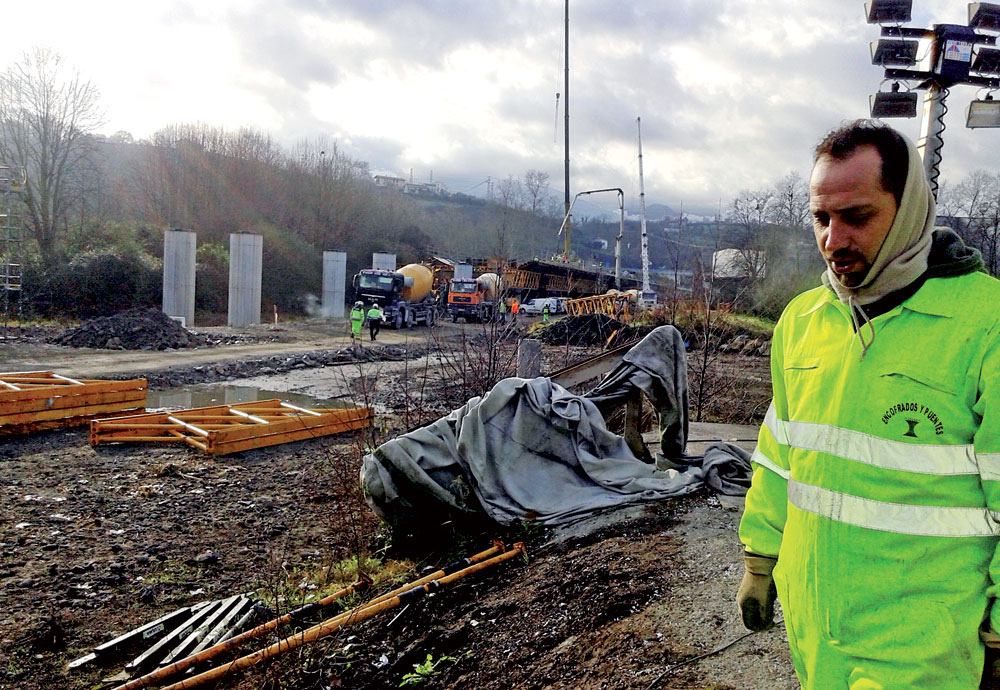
224, 429
34, 400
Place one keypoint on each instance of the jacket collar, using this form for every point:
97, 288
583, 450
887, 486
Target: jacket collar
927, 300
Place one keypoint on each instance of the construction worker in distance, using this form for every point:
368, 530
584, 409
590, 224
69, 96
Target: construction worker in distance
375, 320
515, 308
545, 313
502, 310
875, 503
357, 319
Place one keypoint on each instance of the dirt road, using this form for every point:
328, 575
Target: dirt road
273, 339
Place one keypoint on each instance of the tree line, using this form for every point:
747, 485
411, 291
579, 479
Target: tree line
96, 207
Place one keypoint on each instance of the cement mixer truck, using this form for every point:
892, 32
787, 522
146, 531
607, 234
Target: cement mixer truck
474, 299
404, 295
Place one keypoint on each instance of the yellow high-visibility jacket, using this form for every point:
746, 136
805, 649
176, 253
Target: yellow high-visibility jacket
877, 485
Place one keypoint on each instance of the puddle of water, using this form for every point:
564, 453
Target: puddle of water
206, 395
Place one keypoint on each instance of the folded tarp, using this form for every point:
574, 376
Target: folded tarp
527, 450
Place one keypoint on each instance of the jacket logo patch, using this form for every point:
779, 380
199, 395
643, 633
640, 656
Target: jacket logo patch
911, 423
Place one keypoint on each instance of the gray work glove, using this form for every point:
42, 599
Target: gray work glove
757, 592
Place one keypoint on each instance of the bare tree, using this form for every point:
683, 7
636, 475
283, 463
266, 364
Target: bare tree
511, 198
536, 186
748, 213
46, 115
789, 209
974, 207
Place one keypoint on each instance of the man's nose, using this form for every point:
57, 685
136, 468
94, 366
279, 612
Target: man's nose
838, 236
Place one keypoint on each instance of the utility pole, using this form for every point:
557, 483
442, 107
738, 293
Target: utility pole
567, 203
648, 296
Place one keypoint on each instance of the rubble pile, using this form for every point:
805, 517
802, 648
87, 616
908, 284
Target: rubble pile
744, 345
277, 364
586, 329
24, 334
135, 329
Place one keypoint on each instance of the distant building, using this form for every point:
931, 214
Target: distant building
738, 263
389, 181
734, 271
425, 189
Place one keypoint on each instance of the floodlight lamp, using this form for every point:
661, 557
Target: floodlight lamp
984, 15
984, 113
894, 103
888, 11
987, 61
894, 51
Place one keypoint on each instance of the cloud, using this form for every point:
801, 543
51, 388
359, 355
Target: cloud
732, 94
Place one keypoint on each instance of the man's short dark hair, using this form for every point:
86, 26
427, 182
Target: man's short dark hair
842, 142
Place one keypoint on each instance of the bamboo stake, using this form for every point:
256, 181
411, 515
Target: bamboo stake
233, 642
324, 629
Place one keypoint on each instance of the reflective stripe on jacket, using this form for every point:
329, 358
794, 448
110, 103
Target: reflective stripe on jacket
877, 484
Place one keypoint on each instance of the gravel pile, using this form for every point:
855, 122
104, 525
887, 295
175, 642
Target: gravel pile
25, 334
135, 329
586, 329
277, 364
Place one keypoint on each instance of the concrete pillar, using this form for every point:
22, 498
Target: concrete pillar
246, 253
529, 358
178, 274
383, 261
334, 284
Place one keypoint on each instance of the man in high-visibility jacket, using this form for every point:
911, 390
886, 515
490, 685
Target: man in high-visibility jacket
873, 512
357, 320
375, 319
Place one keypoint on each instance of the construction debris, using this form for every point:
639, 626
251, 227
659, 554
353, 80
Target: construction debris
617, 305
135, 329
215, 644
188, 630
587, 329
35, 400
404, 595
277, 364
224, 429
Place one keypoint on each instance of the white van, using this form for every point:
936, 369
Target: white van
535, 305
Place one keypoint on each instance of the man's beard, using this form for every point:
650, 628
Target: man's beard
852, 278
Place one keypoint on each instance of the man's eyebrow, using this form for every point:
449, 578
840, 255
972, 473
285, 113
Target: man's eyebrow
860, 208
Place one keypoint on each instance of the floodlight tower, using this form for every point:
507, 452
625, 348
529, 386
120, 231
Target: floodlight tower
956, 56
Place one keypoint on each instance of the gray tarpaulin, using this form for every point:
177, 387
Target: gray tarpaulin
528, 450
657, 367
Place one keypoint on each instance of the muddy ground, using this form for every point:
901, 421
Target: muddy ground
98, 540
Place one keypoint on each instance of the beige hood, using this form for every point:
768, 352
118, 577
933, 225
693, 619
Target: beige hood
903, 256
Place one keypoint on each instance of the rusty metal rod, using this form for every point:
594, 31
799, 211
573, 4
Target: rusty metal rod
334, 624
233, 642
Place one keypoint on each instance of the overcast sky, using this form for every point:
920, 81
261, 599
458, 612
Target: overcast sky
732, 93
